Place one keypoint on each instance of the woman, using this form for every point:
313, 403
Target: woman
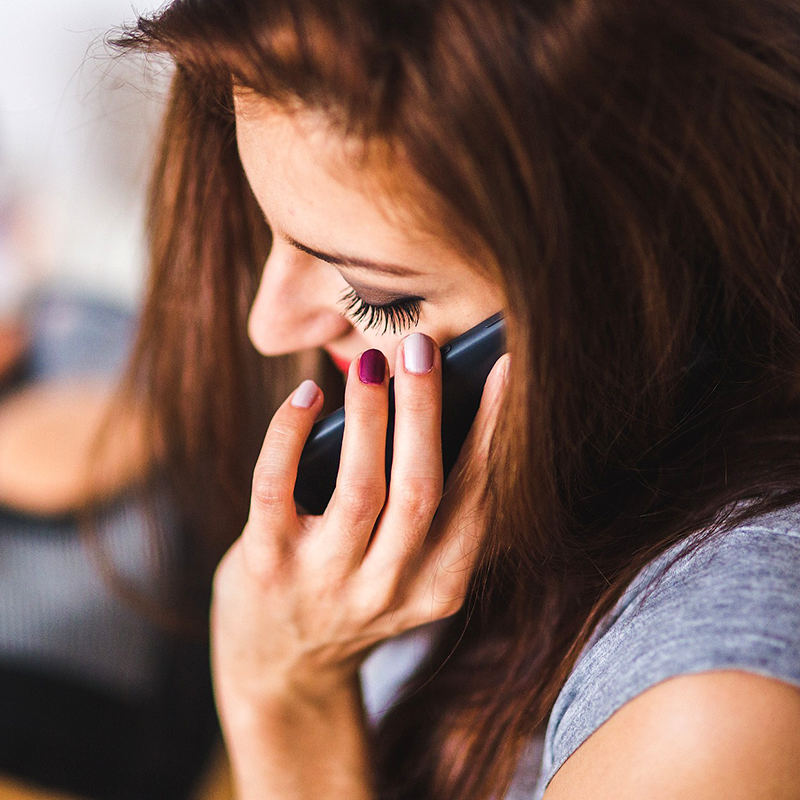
612, 562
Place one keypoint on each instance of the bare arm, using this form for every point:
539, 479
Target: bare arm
724, 735
301, 747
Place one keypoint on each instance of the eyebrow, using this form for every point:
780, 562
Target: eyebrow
355, 263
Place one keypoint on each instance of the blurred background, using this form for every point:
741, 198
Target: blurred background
76, 133
97, 700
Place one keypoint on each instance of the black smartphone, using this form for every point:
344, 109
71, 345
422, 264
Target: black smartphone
466, 363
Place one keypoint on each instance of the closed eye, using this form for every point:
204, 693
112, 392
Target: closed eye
397, 315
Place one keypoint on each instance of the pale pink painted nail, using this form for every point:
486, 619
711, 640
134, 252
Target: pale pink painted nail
305, 394
417, 353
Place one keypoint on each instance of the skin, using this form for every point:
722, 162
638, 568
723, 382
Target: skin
299, 601
49, 461
50, 464
309, 192
725, 735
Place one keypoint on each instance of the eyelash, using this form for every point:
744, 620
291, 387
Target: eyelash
398, 314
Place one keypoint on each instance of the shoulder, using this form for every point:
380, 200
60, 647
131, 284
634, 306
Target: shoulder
711, 735
732, 604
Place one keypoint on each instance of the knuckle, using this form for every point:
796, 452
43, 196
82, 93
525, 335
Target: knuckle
447, 607
220, 577
270, 491
380, 601
363, 415
418, 498
419, 404
360, 497
447, 598
282, 431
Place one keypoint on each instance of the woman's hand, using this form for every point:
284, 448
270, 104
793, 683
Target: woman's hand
299, 600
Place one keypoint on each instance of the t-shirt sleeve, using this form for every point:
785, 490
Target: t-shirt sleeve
734, 603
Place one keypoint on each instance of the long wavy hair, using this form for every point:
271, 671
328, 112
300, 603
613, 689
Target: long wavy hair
629, 169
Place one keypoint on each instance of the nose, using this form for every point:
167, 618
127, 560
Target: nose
295, 306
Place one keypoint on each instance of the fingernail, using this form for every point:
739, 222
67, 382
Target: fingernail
371, 367
417, 353
506, 368
305, 394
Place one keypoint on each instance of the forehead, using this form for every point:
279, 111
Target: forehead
306, 174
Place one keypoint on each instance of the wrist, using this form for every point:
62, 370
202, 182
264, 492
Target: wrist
282, 702
299, 744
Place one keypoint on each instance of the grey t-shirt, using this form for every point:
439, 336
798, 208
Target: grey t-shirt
734, 603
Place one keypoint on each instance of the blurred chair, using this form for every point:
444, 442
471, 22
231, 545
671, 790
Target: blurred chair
96, 700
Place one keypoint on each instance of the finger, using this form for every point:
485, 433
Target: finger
272, 505
415, 488
469, 471
460, 525
360, 490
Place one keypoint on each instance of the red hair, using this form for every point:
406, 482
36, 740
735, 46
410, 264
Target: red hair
630, 169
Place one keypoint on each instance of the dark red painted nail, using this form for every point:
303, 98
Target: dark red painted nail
371, 367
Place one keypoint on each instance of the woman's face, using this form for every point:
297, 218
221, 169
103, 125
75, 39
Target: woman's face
332, 235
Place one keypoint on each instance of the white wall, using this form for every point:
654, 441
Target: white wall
77, 129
